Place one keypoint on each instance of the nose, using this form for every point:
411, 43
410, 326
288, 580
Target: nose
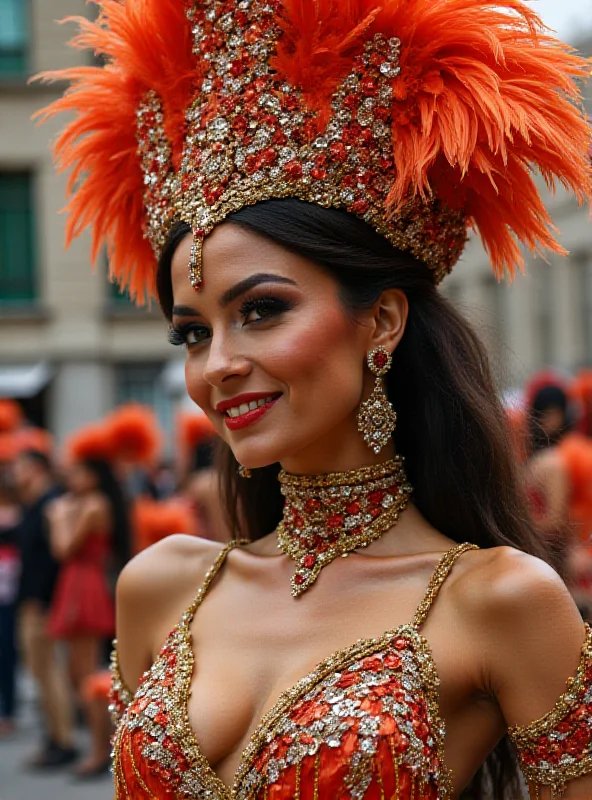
225, 361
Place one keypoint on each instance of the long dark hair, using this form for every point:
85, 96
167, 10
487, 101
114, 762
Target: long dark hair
109, 485
451, 428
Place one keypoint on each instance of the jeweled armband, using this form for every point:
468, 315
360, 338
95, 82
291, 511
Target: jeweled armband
557, 748
119, 695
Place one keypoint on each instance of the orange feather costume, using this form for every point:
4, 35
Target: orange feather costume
424, 117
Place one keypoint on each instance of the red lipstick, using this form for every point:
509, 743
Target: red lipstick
249, 417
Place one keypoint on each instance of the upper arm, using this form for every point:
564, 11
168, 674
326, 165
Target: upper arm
153, 590
532, 645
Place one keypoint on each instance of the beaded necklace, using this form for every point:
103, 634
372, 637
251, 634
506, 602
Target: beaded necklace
326, 516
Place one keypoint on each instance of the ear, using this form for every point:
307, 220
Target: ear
389, 319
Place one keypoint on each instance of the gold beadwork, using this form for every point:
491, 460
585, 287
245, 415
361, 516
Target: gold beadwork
198, 773
376, 417
252, 137
327, 516
439, 576
540, 744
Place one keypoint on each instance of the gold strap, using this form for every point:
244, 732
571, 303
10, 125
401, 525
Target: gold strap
440, 574
211, 574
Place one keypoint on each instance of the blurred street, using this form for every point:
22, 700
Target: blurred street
17, 783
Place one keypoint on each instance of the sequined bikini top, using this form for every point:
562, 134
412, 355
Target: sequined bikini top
365, 723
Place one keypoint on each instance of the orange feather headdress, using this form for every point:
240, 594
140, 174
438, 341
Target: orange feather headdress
92, 442
422, 117
11, 415
135, 433
193, 429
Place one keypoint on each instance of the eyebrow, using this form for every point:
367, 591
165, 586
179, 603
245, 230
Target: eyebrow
236, 291
249, 283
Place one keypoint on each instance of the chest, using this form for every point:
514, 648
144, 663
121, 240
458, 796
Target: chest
367, 713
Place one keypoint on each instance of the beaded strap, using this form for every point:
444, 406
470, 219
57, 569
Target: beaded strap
438, 577
557, 748
120, 695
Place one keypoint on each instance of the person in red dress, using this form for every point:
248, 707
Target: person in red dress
87, 527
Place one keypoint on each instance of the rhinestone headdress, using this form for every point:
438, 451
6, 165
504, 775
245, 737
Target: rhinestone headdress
422, 117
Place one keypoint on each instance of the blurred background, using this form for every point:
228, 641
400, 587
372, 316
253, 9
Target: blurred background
85, 376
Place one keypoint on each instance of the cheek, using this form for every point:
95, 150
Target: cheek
319, 358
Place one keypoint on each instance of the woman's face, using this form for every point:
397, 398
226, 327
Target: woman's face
273, 358
81, 479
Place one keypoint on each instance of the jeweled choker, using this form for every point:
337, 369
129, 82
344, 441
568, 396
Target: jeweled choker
326, 516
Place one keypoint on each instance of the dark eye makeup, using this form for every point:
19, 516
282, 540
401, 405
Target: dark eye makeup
263, 308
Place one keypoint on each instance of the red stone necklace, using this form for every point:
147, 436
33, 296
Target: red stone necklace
326, 516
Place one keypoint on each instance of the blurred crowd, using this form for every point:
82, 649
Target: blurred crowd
70, 519
552, 432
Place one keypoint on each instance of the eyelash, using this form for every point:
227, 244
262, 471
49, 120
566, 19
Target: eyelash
273, 305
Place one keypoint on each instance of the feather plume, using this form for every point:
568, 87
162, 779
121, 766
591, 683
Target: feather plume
11, 415
154, 520
92, 442
484, 93
147, 45
135, 432
193, 429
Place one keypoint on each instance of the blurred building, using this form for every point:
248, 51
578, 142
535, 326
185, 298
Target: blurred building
71, 346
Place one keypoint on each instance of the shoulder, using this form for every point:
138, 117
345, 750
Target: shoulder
524, 623
168, 569
504, 578
153, 590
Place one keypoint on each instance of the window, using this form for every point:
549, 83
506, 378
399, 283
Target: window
13, 37
17, 250
141, 383
119, 298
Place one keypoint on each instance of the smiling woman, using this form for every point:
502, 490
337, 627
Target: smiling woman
303, 176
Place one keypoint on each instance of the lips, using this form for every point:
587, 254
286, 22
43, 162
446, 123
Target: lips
245, 409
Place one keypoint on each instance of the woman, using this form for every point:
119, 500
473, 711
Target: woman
305, 173
89, 533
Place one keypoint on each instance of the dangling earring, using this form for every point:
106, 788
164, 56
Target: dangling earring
244, 472
376, 417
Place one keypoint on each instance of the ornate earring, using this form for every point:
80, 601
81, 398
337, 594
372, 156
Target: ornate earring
376, 417
244, 472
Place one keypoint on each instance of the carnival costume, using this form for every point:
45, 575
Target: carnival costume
424, 118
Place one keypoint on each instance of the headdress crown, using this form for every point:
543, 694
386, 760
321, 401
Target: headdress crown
422, 117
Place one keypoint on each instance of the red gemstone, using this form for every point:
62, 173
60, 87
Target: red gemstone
376, 497
309, 561
353, 508
299, 579
360, 206
380, 359
400, 643
338, 151
268, 156
368, 85
293, 169
335, 521
312, 504
318, 173
392, 661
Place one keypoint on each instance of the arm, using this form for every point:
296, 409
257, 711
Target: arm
533, 644
70, 525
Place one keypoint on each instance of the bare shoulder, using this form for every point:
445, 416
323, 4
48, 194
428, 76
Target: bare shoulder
153, 590
521, 617
502, 581
166, 570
